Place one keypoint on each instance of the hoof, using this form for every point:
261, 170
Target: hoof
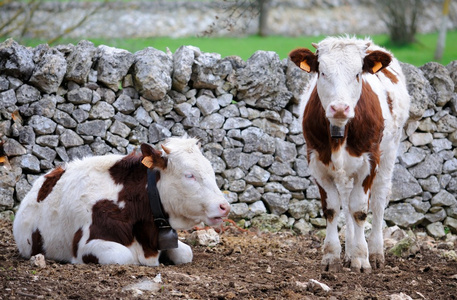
360, 265
366, 270
333, 266
377, 261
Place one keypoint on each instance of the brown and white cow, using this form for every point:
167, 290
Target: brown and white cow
97, 209
353, 113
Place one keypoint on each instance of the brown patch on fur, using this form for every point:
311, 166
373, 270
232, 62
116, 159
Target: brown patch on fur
134, 220
390, 75
390, 103
49, 183
316, 130
368, 181
366, 128
329, 213
76, 238
90, 258
37, 243
360, 217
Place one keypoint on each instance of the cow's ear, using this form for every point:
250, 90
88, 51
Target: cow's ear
152, 158
376, 61
304, 59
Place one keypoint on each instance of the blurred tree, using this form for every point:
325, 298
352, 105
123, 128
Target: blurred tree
442, 33
20, 22
239, 11
400, 17
264, 6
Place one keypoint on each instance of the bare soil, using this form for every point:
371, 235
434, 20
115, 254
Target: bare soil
245, 265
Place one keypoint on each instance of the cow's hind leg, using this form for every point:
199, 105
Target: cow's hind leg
105, 252
349, 236
378, 200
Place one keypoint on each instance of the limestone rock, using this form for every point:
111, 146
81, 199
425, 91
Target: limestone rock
112, 65
152, 72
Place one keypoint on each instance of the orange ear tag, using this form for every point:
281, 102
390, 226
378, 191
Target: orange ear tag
147, 161
304, 66
376, 67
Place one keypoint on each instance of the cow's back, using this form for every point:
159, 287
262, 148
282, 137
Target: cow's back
46, 223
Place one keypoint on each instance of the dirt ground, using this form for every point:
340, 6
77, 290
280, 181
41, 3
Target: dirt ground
245, 265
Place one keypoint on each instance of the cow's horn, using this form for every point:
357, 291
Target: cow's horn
166, 149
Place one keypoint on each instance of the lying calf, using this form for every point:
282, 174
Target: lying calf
108, 209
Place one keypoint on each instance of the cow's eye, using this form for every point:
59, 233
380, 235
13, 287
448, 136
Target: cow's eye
189, 176
322, 74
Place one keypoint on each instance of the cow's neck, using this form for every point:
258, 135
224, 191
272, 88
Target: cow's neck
168, 237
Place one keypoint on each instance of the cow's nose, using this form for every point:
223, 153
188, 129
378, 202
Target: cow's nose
339, 111
224, 208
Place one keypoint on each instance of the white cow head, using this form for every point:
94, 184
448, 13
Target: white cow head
187, 184
340, 64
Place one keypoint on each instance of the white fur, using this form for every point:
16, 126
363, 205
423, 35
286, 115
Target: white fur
342, 179
188, 201
186, 198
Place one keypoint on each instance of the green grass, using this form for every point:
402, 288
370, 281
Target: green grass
416, 54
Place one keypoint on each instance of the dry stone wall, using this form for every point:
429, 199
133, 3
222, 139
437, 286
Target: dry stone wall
67, 102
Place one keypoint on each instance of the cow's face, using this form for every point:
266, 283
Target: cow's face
339, 67
187, 185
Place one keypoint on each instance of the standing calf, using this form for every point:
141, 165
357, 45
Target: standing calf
97, 209
353, 114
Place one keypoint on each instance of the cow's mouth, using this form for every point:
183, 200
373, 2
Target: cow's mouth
214, 221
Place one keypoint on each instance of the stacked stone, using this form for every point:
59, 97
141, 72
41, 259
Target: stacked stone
425, 177
67, 102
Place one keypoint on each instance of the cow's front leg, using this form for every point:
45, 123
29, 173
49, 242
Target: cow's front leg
181, 255
358, 248
331, 260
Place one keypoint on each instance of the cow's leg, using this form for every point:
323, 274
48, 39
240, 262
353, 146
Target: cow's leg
349, 235
181, 255
358, 248
331, 260
344, 190
380, 190
105, 252
375, 241
379, 193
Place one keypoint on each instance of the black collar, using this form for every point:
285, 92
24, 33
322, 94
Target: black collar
168, 237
